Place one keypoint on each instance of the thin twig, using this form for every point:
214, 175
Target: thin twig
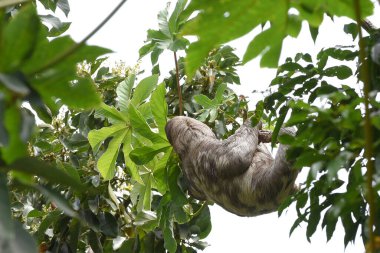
364, 73
74, 48
178, 85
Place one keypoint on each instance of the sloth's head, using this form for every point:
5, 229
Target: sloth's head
182, 131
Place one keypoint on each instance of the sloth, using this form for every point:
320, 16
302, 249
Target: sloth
238, 173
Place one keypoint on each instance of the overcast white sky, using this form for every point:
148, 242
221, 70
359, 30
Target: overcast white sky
125, 34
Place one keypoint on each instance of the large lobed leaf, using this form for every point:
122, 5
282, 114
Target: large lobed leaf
106, 163
33, 166
60, 80
19, 39
220, 21
226, 21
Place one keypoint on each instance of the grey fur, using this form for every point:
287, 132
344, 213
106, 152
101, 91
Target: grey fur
238, 173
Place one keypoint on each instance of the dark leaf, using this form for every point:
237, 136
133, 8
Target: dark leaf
6, 222
21, 242
50, 218
58, 27
94, 241
33, 166
4, 138
58, 200
19, 38
16, 148
351, 29
280, 121
108, 224
314, 31
64, 6
145, 154
15, 83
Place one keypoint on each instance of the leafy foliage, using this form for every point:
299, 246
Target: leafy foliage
226, 20
330, 140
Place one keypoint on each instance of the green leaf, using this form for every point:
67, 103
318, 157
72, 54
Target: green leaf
159, 107
175, 17
341, 72
213, 114
177, 194
294, 25
107, 162
108, 224
35, 213
260, 45
57, 26
298, 116
50, 218
351, 29
19, 38
315, 214
15, 83
280, 121
96, 137
6, 222
4, 138
290, 66
64, 6
21, 242
35, 167
296, 224
255, 119
302, 200
60, 80
308, 158
144, 89
147, 199
127, 148
147, 220
219, 93
139, 125
74, 234
156, 52
163, 21
46, 51
111, 113
160, 172
204, 101
94, 242
350, 228
239, 19
314, 31
345, 8
145, 154
71, 92
169, 240
329, 221
203, 221
124, 92
146, 49
58, 200
13, 125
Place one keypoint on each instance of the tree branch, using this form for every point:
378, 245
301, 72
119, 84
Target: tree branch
368, 136
74, 48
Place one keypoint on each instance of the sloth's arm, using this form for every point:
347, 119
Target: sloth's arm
227, 158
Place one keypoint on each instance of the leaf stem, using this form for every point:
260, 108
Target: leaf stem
74, 48
368, 131
178, 85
